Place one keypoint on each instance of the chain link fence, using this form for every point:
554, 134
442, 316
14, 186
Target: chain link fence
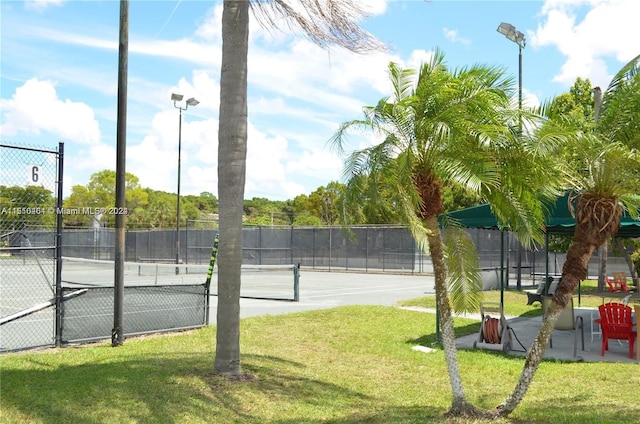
38, 307
88, 315
375, 248
28, 226
364, 248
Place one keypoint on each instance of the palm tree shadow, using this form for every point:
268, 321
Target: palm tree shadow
430, 339
166, 386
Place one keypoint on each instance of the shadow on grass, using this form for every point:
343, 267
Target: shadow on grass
568, 408
429, 339
181, 387
385, 415
531, 314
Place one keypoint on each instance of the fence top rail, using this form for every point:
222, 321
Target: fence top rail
21, 248
32, 149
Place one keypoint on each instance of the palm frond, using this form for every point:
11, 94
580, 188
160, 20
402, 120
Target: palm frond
619, 119
464, 277
326, 23
631, 203
626, 73
402, 81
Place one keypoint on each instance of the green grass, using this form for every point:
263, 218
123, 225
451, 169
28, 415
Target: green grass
515, 301
344, 365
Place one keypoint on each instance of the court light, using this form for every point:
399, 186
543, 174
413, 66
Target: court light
175, 97
512, 34
517, 37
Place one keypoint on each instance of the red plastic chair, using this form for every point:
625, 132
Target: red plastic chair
616, 323
617, 285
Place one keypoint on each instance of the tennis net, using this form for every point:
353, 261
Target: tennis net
279, 282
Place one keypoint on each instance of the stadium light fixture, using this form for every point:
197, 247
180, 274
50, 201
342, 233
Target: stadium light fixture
190, 102
517, 37
512, 34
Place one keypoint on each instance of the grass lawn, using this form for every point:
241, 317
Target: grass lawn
515, 301
345, 365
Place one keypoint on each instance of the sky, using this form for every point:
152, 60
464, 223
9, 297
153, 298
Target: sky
59, 79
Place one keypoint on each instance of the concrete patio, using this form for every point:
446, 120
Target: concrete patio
525, 330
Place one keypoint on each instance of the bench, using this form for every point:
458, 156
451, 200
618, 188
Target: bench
545, 288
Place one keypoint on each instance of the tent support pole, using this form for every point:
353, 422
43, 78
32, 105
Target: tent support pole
502, 268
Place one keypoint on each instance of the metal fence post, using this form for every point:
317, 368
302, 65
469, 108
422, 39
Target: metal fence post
58, 248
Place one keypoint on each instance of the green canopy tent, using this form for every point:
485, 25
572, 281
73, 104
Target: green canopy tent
559, 221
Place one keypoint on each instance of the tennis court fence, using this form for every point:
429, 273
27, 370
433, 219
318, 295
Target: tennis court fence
157, 298
375, 248
49, 299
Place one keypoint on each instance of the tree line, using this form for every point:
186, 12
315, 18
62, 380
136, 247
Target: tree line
93, 204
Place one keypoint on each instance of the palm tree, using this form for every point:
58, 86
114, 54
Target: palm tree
328, 23
448, 128
606, 164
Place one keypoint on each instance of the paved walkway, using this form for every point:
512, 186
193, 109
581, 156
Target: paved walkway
524, 331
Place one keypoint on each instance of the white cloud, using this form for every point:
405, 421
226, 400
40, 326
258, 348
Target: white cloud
316, 163
529, 99
40, 5
35, 107
374, 7
211, 27
202, 53
454, 36
596, 43
154, 160
95, 158
418, 57
567, 4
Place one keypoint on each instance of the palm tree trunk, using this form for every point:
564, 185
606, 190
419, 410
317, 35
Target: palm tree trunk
574, 270
459, 404
627, 257
232, 152
534, 357
603, 256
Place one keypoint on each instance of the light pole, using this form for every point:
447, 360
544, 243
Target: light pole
517, 37
191, 102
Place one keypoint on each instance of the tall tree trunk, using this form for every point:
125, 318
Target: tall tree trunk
627, 258
459, 404
232, 152
534, 357
603, 255
586, 239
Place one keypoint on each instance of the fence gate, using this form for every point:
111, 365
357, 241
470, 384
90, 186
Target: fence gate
30, 194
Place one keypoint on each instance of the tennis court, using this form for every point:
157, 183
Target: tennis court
265, 287
26, 286
160, 297
259, 281
322, 290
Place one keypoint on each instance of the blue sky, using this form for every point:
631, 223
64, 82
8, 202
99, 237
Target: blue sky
59, 63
